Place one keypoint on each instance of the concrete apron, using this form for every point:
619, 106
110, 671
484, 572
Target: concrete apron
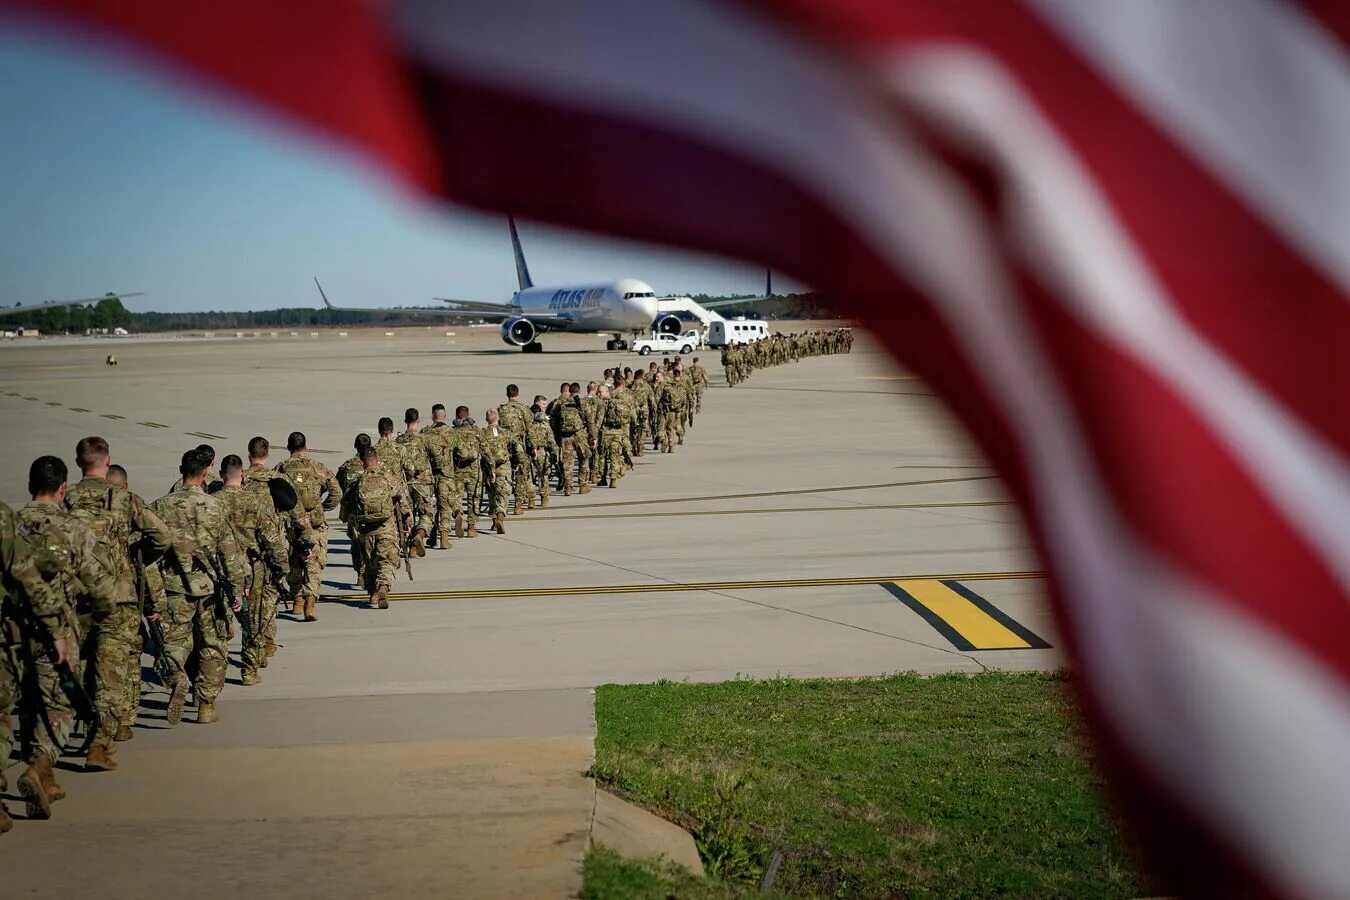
450, 812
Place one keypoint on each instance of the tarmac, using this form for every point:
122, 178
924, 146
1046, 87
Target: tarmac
827, 518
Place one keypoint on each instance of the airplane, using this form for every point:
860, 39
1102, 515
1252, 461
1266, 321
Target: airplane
111, 295
621, 307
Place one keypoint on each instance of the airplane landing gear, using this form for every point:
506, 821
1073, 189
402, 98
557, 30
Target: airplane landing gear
532, 347
616, 344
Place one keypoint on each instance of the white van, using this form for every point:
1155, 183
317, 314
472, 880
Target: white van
737, 331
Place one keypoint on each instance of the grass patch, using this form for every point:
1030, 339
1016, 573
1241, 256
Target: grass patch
951, 786
611, 877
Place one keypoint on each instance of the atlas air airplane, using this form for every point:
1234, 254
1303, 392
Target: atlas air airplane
619, 308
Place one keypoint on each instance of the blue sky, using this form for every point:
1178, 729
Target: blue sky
114, 178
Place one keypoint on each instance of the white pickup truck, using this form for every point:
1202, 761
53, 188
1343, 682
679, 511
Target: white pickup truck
667, 343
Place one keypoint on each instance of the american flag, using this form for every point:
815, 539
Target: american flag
1113, 234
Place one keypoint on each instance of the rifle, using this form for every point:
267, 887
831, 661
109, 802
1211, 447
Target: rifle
405, 538
164, 663
79, 699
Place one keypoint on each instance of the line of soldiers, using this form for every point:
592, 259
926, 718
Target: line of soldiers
402, 495
94, 576
739, 360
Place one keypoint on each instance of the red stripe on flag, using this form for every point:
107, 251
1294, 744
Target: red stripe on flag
332, 67
1235, 279
1333, 15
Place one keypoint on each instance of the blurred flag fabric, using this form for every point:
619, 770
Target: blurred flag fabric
1113, 236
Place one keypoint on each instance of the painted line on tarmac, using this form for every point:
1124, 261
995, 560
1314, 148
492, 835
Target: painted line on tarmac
962, 616
152, 425
205, 434
793, 493
112, 416
78, 409
536, 517
676, 586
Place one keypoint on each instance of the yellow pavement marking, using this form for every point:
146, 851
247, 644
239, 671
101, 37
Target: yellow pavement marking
963, 617
668, 587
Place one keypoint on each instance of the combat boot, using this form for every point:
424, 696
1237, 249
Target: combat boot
585, 488
417, 544
54, 791
499, 523
6, 823
269, 651
310, 603
206, 713
124, 733
382, 598
442, 540
459, 526
250, 677
99, 759
543, 498
33, 789
173, 714
472, 529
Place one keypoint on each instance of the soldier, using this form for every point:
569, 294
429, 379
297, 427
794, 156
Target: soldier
23, 572
666, 405
496, 468
700, 376
299, 531
545, 448
592, 408
391, 460
317, 489
466, 454
119, 518
421, 486
437, 441
368, 507
614, 430
569, 421
642, 394
346, 474
87, 590
516, 418
200, 592
262, 537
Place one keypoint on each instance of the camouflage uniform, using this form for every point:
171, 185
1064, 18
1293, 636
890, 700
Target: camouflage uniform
23, 568
346, 475
267, 550
318, 490
666, 405
592, 407
496, 444
545, 454
87, 590
569, 421
516, 418
438, 443
196, 621
614, 437
700, 378
118, 519
379, 541
642, 394
299, 530
421, 486
466, 456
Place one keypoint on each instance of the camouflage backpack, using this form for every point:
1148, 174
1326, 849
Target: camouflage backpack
308, 484
95, 509
614, 414
373, 501
570, 418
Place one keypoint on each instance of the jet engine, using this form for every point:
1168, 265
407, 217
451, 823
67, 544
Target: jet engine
668, 325
518, 332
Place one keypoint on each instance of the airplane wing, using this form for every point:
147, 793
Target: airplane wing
16, 310
468, 309
739, 301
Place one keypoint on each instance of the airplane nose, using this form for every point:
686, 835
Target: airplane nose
647, 306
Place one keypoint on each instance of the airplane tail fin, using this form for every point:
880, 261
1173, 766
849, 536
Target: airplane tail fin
768, 282
522, 270
323, 295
